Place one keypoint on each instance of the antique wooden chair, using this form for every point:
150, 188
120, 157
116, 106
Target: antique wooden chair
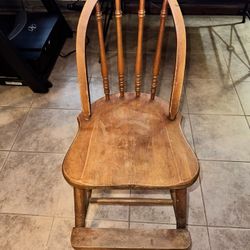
130, 141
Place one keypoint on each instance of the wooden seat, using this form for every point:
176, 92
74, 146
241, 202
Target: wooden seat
130, 140
127, 143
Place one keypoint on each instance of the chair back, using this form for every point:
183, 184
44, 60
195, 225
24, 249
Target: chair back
178, 77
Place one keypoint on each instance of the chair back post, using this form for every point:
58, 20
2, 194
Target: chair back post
180, 60
81, 57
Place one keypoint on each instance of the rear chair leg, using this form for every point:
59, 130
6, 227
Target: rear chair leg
180, 207
81, 203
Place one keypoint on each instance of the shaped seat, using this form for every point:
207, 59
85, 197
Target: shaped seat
130, 140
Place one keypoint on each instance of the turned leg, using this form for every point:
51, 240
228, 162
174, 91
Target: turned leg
180, 207
81, 201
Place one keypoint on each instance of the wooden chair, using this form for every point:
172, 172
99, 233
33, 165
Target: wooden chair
130, 141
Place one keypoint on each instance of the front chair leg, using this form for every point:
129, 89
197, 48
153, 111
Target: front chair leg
81, 200
181, 208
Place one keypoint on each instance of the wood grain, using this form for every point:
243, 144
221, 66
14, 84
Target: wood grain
158, 53
120, 60
180, 61
132, 201
139, 51
106, 239
129, 142
104, 64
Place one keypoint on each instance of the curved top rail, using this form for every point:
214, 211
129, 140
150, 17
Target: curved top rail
180, 59
80, 56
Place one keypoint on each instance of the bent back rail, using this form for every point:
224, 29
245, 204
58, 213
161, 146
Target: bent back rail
177, 85
180, 61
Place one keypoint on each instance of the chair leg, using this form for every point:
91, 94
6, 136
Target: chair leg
81, 201
180, 207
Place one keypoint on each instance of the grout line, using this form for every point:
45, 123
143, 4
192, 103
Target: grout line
205, 212
241, 105
135, 221
28, 215
230, 227
5, 160
202, 114
223, 160
49, 236
15, 138
37, 152
190, 123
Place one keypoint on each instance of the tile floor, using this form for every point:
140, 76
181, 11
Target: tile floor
36, 205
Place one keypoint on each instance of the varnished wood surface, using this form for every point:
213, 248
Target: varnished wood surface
139, 50
106, 239
180, 56
120, 56
129, 142
104, 63
158, 52
132, 201
180, 61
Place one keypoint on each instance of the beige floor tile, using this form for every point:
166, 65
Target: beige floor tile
32, 183
199, 237
65, 97
110, 193
11, 120
60, 81
65, 66
202, 40
186, 128
239, 65
140, 225
110, 212
197, 21
229, 36
160, 194
248, 119
229, 238
221, 137
61, 231
3, 156
16, 96
24, 232
196, 213
152, 214
207, 66
225, 187
243, 90
219, 20
60, 234
212, 97
47, 130
106, 224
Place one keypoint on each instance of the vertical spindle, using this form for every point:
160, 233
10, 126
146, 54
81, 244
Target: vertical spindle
104, 65
120, 56
157, 59
139, 53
